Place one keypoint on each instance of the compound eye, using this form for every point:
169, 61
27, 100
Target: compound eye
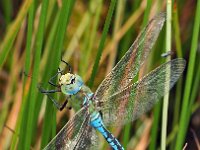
72, 81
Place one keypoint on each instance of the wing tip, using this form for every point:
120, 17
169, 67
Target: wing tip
160, 16
179, 64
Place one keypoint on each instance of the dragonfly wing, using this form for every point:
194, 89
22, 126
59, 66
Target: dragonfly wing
136, 99
88, 139
69, 136
126, 69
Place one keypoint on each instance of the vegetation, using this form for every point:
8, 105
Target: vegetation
92, 36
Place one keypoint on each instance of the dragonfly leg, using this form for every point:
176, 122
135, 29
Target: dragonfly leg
47, 92
68, 65
52, 78
58, 106
42, 90
64, 105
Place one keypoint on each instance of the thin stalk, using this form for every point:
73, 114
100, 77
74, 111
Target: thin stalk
177, 31
194, 94
154, 131
190, 72
117, 25
146, 13
38, 47
84, 51
172, 136
74, 42
195, 88
8, 41
166, 97
160, 45
127, 25
93, 33
102, 42
7, 9
27, 68
178, 96
126, 39
46, 71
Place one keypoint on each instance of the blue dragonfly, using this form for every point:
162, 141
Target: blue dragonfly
117, 100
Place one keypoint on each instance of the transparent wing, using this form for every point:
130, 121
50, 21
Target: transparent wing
87, 139
75, 134
136, 99
126, 69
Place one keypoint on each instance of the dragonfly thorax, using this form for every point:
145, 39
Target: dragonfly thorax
70, 83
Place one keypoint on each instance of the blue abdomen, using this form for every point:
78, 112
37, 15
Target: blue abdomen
97, 123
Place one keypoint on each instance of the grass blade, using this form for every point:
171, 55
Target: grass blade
190, 72
27, 67
33, 92
102, 42
8, 41
166, 97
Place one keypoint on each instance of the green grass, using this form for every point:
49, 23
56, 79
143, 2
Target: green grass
102, 42
26, 69
11, 34
25, 141
189, 78
92, 36
166, 97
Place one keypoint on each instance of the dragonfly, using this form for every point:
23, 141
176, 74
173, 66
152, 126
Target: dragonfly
117, 99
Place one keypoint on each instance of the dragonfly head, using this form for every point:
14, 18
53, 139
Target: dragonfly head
70, 83
67, 78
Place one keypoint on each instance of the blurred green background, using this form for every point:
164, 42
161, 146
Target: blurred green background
92, 36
